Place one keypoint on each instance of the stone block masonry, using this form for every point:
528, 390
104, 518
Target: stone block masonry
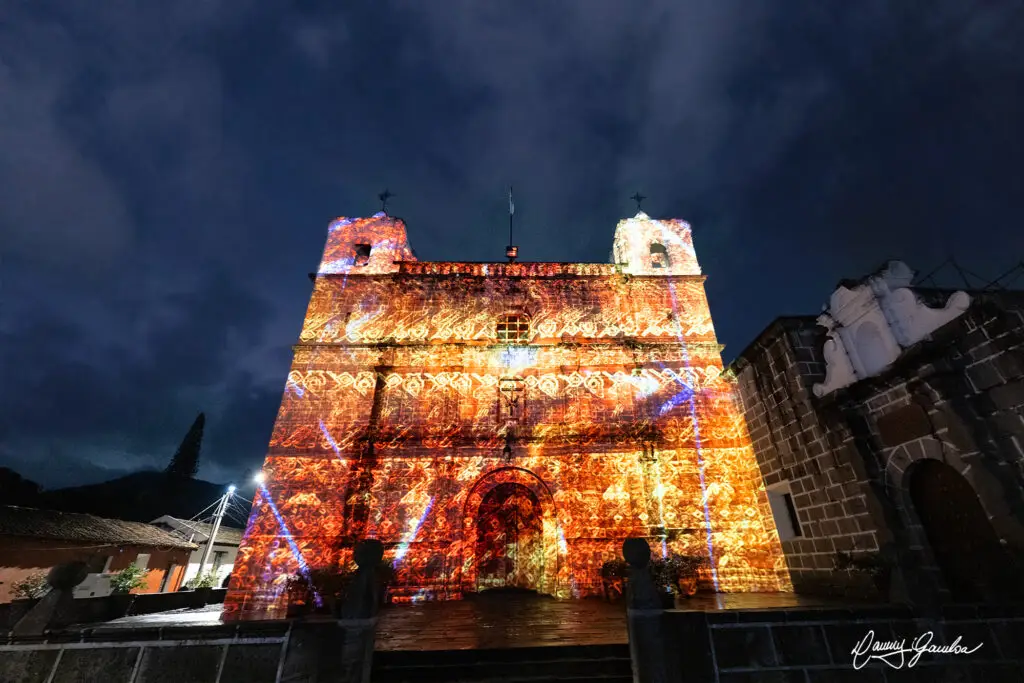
265, 652
816, 645
845, 460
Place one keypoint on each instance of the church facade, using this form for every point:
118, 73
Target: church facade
506, 424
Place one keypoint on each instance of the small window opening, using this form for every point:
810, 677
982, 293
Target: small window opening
659, 256
513, 328
784, 512
362, 254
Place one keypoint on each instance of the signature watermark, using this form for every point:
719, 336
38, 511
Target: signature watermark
897, 654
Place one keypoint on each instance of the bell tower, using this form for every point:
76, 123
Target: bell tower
647, 246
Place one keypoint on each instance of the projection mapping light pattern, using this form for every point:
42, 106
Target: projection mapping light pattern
506, 425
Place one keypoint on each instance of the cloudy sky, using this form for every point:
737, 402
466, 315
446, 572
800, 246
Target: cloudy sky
168, 170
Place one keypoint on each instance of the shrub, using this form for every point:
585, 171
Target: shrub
331, 583
31, 587
614, 569
128, 579
204, 580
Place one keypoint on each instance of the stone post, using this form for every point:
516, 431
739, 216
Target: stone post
359, 613
340, 651
62, 580
647, 646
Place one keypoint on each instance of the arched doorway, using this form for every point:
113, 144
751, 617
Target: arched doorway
509, 539
963, 542
518, 492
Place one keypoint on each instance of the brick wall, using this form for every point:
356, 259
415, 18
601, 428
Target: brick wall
803, 452
957, 398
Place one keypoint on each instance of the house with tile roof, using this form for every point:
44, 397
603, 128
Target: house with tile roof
222, 555
33, 541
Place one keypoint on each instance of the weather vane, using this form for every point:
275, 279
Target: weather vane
639, 199
384, 197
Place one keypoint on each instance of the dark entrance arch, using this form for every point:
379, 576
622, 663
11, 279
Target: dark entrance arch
510, 539
963, 542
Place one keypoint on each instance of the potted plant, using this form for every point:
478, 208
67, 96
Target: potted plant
676, 575
202, 585
32, 587
123, 583
26, 594
613, 578
872, 565
300, 597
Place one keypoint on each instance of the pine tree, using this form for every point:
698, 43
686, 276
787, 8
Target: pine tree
185, 462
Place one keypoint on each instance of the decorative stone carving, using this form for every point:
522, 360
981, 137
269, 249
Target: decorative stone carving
838, 369
871, 324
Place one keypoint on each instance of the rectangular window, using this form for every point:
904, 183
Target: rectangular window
142, 561
218, 559
784, 513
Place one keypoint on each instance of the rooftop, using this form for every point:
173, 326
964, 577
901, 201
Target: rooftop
72, 526
225, 535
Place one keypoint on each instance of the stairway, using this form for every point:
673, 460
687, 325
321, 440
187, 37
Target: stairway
555, 664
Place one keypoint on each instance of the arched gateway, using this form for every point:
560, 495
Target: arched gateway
510, 533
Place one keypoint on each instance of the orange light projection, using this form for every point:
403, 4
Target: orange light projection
506, 424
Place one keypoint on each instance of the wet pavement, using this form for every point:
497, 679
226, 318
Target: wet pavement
501, 621
201, 616
709, 602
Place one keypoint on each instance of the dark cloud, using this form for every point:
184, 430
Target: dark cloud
168, 172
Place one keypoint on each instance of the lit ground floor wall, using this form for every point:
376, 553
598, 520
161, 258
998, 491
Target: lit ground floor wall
542, 520
21, 558
220, 572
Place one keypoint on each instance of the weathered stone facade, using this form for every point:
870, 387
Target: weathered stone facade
935, 441
502, 425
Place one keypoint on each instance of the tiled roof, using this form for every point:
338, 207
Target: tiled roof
76, 527
225, 535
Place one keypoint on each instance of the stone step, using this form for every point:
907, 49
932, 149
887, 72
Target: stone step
599, 663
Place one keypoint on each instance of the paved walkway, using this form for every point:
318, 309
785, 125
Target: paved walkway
501, 621
498, 620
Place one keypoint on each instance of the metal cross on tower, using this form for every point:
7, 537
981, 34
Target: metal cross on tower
384, 197
639, 199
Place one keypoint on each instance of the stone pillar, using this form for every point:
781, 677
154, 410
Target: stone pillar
340, 651
647, 646
359, 613
62, 580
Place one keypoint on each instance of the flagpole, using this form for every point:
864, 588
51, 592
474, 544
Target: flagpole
511, 251
511, 211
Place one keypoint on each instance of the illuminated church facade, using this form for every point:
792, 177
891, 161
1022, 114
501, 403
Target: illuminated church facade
506, 424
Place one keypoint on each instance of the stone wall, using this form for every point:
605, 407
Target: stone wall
808, 646
94, 610
956, 398
801, 452
244, 653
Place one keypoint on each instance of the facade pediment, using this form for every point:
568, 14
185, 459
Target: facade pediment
870, 324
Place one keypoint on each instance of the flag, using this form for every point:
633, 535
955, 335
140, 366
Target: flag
511, 204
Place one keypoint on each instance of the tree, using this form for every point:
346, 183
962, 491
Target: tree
16, 490
185, 462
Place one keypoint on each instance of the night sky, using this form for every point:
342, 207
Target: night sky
168, 171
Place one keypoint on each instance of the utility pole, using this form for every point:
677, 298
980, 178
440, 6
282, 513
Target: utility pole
216, 527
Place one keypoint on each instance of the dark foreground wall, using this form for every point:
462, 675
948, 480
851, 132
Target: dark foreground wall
808, 646
251, 652
110, 607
